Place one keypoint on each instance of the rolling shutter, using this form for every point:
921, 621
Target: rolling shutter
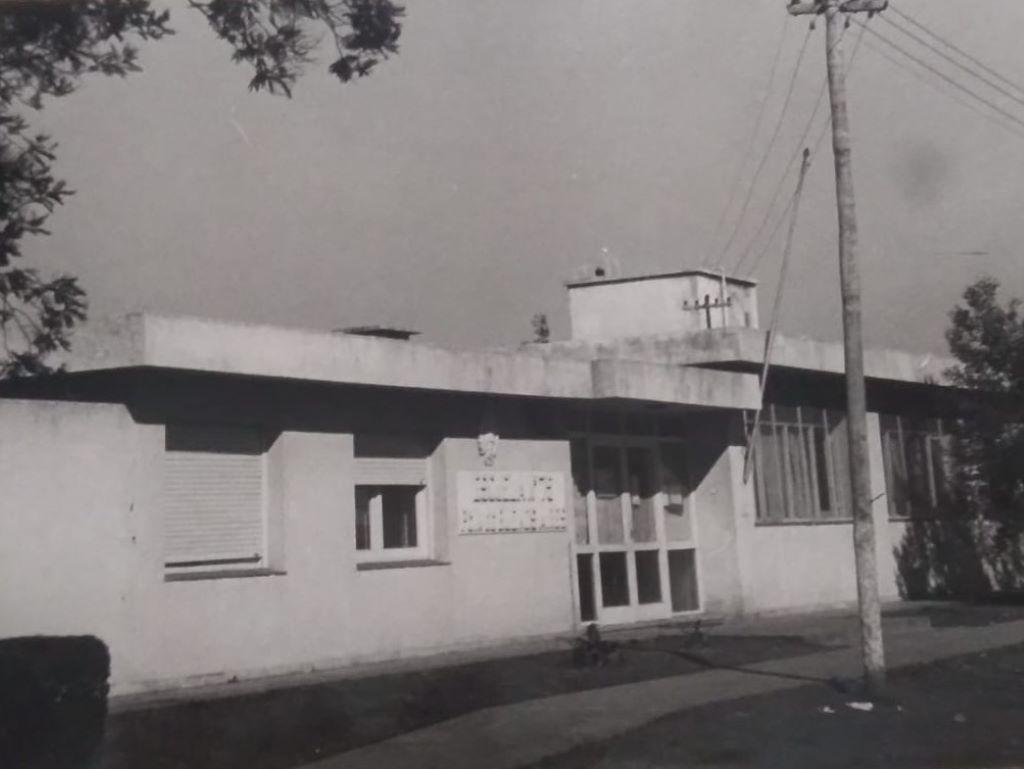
390, 471
213, 498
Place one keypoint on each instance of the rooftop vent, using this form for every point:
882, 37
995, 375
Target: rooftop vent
384, 332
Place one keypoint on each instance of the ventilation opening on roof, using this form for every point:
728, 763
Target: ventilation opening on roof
384, 332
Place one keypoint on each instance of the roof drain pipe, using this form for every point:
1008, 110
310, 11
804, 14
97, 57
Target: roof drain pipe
770, 338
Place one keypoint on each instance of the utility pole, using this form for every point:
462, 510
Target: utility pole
856, 397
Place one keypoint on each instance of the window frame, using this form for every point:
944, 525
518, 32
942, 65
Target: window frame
929, 431
376, 552
814, 428
217, 566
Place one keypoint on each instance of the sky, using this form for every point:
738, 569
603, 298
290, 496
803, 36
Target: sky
512, 144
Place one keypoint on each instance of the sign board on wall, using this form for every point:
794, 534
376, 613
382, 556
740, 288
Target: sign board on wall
507, 502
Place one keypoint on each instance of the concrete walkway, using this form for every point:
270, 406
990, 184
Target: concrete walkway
516, 735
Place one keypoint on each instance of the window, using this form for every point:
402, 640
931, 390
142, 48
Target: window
390, 504
800, 465
214, 496
917, 455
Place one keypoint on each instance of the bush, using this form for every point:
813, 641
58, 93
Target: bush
53, 701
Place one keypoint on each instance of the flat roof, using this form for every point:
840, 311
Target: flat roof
604, 281
199, 345
744, 348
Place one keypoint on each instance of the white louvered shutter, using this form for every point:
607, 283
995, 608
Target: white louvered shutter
213, 505
371, 471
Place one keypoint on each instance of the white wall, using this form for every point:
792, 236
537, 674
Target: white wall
81, 552
804, 566
657, 305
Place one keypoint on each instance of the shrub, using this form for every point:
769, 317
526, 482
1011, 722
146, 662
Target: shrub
53, 701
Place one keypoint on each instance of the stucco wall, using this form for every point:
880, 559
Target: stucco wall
72, 520
802, 566
712, 448
81, 552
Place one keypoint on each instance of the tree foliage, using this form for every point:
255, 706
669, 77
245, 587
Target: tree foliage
277, 37
987, 339
45, 50
48, 46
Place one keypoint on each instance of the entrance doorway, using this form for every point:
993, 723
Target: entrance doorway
635, 535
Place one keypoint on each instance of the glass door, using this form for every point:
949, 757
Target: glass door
634, 542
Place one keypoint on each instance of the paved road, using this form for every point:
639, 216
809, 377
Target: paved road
516, 735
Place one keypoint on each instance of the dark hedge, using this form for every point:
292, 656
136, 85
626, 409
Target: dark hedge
53, 701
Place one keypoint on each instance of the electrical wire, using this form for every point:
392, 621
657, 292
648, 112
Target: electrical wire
951, 46
762, 109
943, 89
771, 145
968, 70
789, 166
776, 310
939, 73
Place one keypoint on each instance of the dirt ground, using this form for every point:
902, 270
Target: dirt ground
966, 713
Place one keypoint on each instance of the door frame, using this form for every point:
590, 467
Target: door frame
635, 611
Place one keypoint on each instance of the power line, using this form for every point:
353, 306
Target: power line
959, 86
776, 312
973, 73
792, 160
945, 91
731, 198
955, 48
771, 145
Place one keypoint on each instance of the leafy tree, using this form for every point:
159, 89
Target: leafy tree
48, 46
987, 339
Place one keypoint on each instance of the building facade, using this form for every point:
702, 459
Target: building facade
219, 501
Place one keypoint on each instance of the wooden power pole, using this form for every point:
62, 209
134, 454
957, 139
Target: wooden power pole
856, 397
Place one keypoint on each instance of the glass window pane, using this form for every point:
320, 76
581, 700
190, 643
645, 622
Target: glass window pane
614, 579
786, 414
811, 416
399, 516
769, 469
364, 494
585, 579
682, 577
608, 490
798, 481
640, 464
898, 490
820, 447
648, 576
673, 485
580, 487
917, 473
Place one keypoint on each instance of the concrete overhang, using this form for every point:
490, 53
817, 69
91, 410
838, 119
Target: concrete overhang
661, 383
748, 346
200, 345
743, 349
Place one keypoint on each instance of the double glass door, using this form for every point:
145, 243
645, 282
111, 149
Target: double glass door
635, 540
